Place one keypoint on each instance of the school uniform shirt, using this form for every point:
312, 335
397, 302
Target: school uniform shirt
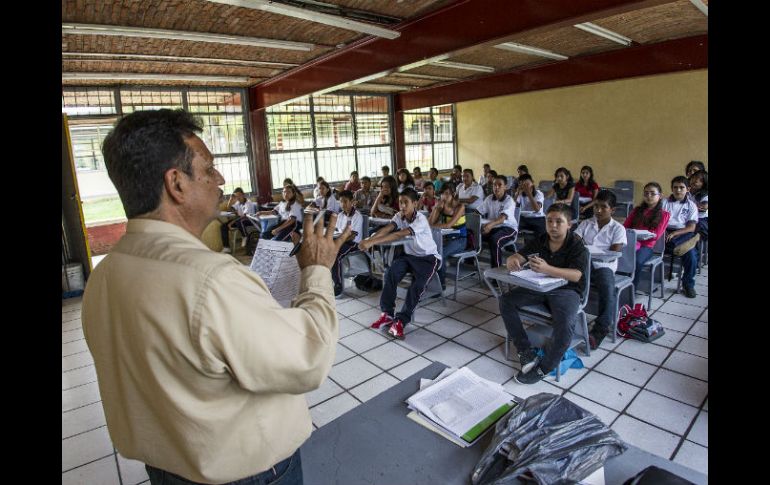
482, 180
659, 230
419, 183
366, 199
573, 254
562, 193
316, 192
704, 214
682, 212
422, 243
356, 221
352, 186
401, 187
612, 233
464, 192
493, 208
294, 211
428, 203
247, 207
526, 206
331, 204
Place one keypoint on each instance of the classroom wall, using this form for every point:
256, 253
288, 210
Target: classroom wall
640, 129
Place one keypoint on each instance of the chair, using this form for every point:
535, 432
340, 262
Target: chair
473, 224
575, 210
654, 263
541, 316
672, 260
545, 185
624, 192
362, 257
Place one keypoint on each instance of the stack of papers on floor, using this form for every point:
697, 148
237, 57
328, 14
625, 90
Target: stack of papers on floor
532, 276
459, 405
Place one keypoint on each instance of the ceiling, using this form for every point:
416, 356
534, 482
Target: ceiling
436, 45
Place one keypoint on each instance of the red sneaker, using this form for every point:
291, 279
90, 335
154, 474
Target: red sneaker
384, 319
397, 329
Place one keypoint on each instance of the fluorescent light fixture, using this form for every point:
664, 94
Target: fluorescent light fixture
462, 65
318, 17
393, 87
602, 32
114, 76
146, 57
701, 6
430, 60
534, 51
93, 29
424, 76
361, 80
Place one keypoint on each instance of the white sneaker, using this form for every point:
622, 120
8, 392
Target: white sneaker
227, 250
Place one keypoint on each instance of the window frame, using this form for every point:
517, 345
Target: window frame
432, 141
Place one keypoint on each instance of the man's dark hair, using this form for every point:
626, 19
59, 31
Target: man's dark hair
694, 163
411, 193
385, 167
680, 179
525, 176
238, 190
365, 179
469, 170
141, 148
493, 172
607, 196
450, 186
502, 178
458, 167
347, 194
523, 168
563, 208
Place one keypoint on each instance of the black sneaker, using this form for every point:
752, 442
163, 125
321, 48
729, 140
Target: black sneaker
531, 377
689, 292
528, 360
595, 339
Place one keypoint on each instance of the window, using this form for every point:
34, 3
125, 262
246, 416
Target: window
429, 137
328, 136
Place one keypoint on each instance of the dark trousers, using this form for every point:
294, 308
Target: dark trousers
497, 238
240, 224
534, 224
348, 247
422, 268
286, 472
689, 259
285, 233
643, 255
563, 304
604, 280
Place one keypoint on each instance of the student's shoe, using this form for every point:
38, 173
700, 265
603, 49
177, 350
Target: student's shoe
397, 329
338, 291
595, 339
531, 377
384, 319
528, 359
689, 292
227, 250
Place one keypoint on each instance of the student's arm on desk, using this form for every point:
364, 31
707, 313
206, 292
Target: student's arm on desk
486, 228
570, 274
690, 227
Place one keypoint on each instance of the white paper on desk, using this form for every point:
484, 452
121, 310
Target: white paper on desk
532, 276
278, 270
642, 234
594, 250
596, 478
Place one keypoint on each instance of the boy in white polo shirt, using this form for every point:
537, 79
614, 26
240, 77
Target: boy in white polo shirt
681, 227
603, 232
420, 257
502, 227
531, 200
348, 215
469, 192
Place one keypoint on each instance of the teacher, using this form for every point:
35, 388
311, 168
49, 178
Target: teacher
202, 373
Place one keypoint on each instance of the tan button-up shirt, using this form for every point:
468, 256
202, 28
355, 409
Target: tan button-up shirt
201, 372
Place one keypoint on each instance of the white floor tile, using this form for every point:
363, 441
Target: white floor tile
608, 345
694, 345
705, 316
83, 448
373, 387
327, 390
372, 299
78, 377
479, 340
410, 367
448, 308
448, 327
679, 387
491, 305
388, 355
451, 354
352, 307
569, 379
699, 301
491, 369
362, 341
700, 329
342, 354
498, 354
332, 409
596, 356
76, 361
700, 430
348, 327
473, 316
682, 310
132, 472
689, 364
469, 298
644, 299
669, 339
673, 322
605, 390
82, 419
420, 341
605, 414
423, 316
652, 354
663, 412
71, 325
70, 316
353, 372
72, 336
496, 326
646, 437
74, 347
706, 405
523, 391
693, 456
79, 396
366, 317
626, 369
103, 472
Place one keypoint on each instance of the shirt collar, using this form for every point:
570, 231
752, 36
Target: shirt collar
141, 225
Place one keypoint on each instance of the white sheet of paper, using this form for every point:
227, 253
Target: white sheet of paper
278, 270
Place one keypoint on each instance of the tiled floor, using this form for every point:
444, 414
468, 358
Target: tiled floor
654, 396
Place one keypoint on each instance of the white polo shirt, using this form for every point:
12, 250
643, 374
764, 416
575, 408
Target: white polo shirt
295, 211
333, 205
704, 214
422, 243
356, 224
468, 192
682, 212
493, 208
526, 206
244, 208
612, 233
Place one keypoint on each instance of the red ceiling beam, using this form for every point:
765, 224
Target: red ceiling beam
462, 24
664, 57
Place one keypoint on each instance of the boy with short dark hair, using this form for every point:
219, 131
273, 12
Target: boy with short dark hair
681, 228
348, 216
502, 227
364, 197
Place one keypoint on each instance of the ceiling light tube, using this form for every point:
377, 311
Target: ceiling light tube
94, 29
107, 76
318, 17
534, 51
602, 32
462, 65
150, 57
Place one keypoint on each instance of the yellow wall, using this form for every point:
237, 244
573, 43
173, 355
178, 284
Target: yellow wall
641, 129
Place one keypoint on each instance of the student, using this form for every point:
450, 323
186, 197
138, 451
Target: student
419, 180
449, 213
428, 199
563, 187
364, 197
325, 200
502, 227
290, 214
693, 167
530, 199
420, 257
405, 179
469, 192
242, 206
521, 170
386, 203
297, 192
489, 184
485, 171
457, 175
353, 184
603, 232
650, 216
348, 216
681, 228
699, 190
558, 253
385, 173
433, 177
587, 187
317, 188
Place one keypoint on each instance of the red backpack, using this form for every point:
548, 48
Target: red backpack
635, 323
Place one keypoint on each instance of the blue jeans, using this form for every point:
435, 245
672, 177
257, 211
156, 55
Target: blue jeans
604, 279
287, 472
451, 246
643, 255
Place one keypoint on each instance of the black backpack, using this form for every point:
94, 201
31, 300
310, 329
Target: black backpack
368, 283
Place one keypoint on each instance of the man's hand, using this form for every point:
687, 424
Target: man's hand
317, 247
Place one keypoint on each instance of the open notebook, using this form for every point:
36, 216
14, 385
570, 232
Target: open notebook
535, 277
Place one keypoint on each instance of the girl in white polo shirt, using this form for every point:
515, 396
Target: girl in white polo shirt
502, 227
469, 192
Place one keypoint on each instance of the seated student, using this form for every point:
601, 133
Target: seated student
364, 197
502, 227
420, 257
681, 227
289, 212
469, 192
558, 253
353, 184
603, 232
317, 188
521, 170
433, 178
699, 190
428, 199
405, 179
488, 186
587, 187
325, 200
385, 173
299, 194
347, 216
419, 180
449, 213
649, 216
692, 167
563, 189
485, 171
386, 203
456, 177
242, 206
530, 199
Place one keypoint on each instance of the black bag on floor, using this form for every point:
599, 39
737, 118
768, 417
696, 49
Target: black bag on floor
653, 475
366, 282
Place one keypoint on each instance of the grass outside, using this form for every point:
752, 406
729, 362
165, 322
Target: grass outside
98, 210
